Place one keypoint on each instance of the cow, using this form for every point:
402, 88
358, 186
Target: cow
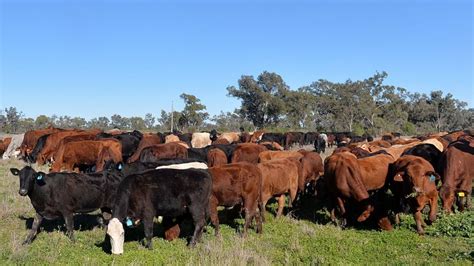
273, 155
171, 138
216, 157
129, 141
349, 181
201, 139
291, 138
273, 146
311, 169
87, 152
278, 178
233, 184
171, 150
458, 171
257, 136
428, 152
310, 137
54, 140
4, 144
220, 141
231, 137
31, 137
146, 141
167, 192
57, 195
247, 152
273, 137
412, 179
31, 158
320, 144
331, 141
14, 146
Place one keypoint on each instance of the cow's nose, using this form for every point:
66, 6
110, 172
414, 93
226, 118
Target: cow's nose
23, 192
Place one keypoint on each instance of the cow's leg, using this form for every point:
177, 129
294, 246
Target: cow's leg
69, 219
214, 214
418, 220
34, 229
433, 209
281, 205
248, 220
148, 228
199, 220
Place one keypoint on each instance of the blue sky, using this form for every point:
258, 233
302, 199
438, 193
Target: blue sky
98, 58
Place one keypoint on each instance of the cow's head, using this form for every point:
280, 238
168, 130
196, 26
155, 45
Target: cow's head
28, 177
117, 235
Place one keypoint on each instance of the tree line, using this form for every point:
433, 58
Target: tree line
267, 102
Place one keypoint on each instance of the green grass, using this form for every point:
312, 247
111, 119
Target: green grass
284, 241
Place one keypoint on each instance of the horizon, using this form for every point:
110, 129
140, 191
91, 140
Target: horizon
131, 58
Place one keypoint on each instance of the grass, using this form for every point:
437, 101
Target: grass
284, 241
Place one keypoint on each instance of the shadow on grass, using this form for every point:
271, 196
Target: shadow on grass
82, 222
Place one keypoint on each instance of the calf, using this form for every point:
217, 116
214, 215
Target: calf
412, 179
233, 184
166, 192
278, 178
172, 150
57, 195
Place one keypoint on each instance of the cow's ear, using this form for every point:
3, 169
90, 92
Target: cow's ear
433, 176
398, 177
15, 171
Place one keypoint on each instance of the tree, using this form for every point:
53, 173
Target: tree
165, 121
12, 122
100, 122
193, 114
230, 122
117, 121
137, 123
149, 121
262, 99
42, 121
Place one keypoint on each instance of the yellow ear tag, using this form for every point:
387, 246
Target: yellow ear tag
461, 194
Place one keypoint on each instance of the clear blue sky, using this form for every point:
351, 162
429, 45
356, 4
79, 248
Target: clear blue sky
97, 58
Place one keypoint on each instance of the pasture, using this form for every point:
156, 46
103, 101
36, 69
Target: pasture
312, 239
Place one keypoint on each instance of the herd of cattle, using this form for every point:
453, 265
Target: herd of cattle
133, 177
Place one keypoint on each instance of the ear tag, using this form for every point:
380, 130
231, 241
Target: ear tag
461, 194
119, 166
129, 222
432, 178
39, 177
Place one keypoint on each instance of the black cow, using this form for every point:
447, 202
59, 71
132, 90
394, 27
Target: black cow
137, 166
292, 138
57, 195
428, 152
166, 192
129, 141
320, 145
201, 153
274, 137
31, 158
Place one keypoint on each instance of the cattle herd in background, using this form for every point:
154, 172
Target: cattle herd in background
133, 177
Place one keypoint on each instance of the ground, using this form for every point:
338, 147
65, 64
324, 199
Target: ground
309, 240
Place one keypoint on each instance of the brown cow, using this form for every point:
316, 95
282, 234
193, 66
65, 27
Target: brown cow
31, 137
457, 163
349, 180
247, 152
216, 157
4, 144
412, 178
221, 141
172, 150
233, 184
231, 137
146, 141
272, 155
311, 168
278, 178
54, 140
87, 152
257, 136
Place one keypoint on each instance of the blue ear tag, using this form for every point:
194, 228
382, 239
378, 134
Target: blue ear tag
129, 222
39, 177
432, 178
119, 166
